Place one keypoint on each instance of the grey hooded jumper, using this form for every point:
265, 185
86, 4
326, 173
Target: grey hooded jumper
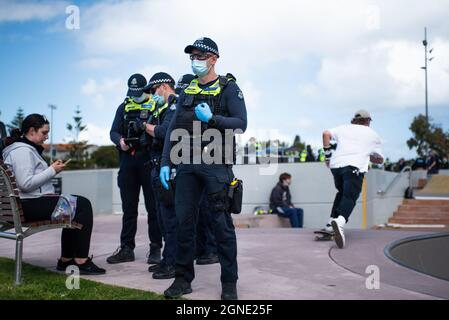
32, 173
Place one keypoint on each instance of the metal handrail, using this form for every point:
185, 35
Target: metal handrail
394, 181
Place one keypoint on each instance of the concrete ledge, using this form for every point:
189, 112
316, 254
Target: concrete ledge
261, 221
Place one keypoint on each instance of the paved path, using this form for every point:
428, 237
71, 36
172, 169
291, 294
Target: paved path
274, 264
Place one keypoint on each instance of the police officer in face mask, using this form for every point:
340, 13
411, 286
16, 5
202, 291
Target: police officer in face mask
210, 102
206, 245
161, 87
128, 134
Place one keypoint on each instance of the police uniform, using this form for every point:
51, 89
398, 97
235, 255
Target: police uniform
303, 157
229, 112
161, 118
134, 172
206, 245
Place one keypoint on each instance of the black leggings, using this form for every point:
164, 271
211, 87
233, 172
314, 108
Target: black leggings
74, 243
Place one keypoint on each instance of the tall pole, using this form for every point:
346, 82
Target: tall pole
425, 43
52, 107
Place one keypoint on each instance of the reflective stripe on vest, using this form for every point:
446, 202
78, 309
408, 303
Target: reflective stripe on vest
212, 90
131, 105
159, 111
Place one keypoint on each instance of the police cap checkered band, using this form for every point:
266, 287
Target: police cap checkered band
203, 44
159, 78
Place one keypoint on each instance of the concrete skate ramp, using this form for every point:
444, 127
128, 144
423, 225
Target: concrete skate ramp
438, 186
428, 254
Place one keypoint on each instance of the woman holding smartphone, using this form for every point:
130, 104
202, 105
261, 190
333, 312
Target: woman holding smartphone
23, 155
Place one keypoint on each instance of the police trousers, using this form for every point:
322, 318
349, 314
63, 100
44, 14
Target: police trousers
167, 220
134, 175
191, 180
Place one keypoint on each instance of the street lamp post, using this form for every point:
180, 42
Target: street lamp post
425, 68
52, 107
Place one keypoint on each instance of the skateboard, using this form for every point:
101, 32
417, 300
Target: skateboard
323, 235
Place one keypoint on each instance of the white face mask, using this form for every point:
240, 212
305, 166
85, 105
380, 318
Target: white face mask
140, 99
199, 67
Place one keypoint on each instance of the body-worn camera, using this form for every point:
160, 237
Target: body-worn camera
136, 136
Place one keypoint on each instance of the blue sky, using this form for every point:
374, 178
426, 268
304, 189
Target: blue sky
303, 66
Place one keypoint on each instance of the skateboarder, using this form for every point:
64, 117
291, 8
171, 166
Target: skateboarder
356, 145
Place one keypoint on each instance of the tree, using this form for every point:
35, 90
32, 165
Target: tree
18, 119
78, 127
428, 136
78, 148
298, 145
105, 157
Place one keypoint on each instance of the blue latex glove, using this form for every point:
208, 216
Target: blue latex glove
203, 112
164, 176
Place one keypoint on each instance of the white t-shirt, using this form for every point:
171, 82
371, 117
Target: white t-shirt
355, 144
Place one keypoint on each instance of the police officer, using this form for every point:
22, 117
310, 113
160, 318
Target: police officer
128, 135
206, 245
216, 102
162, 88
303, 156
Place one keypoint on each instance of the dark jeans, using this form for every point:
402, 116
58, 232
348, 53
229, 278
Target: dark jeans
205, 239
167, 221
348, 182
296, 216
191, 180
133, 175
74, 243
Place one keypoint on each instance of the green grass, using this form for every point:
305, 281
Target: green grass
42, 284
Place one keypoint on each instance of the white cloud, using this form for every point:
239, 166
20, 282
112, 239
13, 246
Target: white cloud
385, 74
252, 96
95, 135
105, 93
12, 11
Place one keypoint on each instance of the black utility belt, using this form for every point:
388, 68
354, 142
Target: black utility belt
155, 162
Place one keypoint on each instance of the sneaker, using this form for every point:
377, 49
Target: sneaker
62, 265
229, 291
89, 268
209, 258
154, 268
178, 288
122, 254
164, 272
328, 228
338, 225
154, 256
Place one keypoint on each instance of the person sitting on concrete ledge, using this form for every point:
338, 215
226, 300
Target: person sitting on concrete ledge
281, 202
23, 155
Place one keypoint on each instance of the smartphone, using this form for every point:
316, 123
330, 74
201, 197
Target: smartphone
65, 163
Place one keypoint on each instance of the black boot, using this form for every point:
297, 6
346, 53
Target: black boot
90, 268
178, 288
62, 265
165, 272
123, 254
154, 268
229, 291
154, 256
209, 258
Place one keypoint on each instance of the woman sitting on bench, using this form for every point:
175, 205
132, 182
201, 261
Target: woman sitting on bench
23, 155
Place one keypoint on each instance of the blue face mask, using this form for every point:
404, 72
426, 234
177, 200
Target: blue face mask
160, 101
199, 67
